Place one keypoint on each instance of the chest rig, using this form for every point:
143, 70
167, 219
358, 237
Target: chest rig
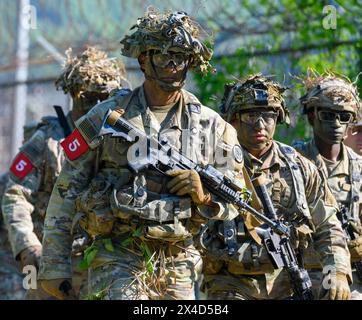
354, 168
243, 254
289, 155
145, 200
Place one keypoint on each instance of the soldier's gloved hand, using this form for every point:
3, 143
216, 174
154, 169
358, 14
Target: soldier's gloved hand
31, 256
340, 288
60, 288
355, 248
188, 182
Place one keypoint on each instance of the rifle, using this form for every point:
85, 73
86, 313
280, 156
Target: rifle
162, 157
280, 249
345, 218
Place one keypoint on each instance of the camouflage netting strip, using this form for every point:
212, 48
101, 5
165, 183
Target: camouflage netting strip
161, 31
90, 71
330, 90
244, 96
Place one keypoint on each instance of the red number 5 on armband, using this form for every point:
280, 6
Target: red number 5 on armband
74, 145
21, 166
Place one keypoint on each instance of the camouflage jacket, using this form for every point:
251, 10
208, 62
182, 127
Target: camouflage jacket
113, 198
32, 176
4, 178
344, 180
301, 197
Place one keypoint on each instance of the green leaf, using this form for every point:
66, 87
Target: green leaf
83, 265
137, 233
149, 267
126, 242
90, 256
148, 257
108, 245
147, 251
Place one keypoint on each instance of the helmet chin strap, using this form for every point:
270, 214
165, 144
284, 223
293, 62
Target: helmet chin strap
169, 87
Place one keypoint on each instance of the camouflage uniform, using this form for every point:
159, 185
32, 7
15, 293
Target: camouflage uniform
300, 197
344, 176
39, 162
11, 287
11, 280
142, 235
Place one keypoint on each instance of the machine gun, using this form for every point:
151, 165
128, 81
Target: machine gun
345, 218
161, 156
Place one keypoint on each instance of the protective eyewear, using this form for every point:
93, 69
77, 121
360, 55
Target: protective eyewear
328, 116
253, 117
177, 59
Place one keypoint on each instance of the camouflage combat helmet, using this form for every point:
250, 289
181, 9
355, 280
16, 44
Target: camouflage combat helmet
162, 31
329, 90
90, 71
256, 91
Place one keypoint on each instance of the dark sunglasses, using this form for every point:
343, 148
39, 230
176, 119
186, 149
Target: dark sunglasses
329, 116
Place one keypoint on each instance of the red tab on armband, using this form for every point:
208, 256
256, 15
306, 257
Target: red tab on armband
74, 145
21, 166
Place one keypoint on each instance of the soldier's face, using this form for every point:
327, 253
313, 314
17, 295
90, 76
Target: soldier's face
170, 67
255, 129
84, 101
331, 126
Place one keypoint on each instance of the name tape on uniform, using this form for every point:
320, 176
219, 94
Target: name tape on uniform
74, 145
21, 166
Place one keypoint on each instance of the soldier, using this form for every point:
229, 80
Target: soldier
11, 286
331, 104
354, 135
300, 197
142, 223
88, 78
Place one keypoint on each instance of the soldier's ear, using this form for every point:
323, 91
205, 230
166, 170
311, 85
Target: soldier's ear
142, 61
311, 116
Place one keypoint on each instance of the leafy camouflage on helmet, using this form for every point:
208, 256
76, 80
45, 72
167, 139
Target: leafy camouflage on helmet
90, 71
255, 91
162, 31
329, 90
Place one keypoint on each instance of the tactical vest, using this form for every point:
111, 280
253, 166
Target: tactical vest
355, 164
249, 257
131, 203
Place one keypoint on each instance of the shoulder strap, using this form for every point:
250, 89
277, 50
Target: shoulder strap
63, 120
297, 176
355, 176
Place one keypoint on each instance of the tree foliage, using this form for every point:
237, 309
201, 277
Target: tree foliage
283, 38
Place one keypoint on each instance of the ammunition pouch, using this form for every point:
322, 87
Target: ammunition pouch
248, 258
110, 207
160, 210
97, 218
161, 217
